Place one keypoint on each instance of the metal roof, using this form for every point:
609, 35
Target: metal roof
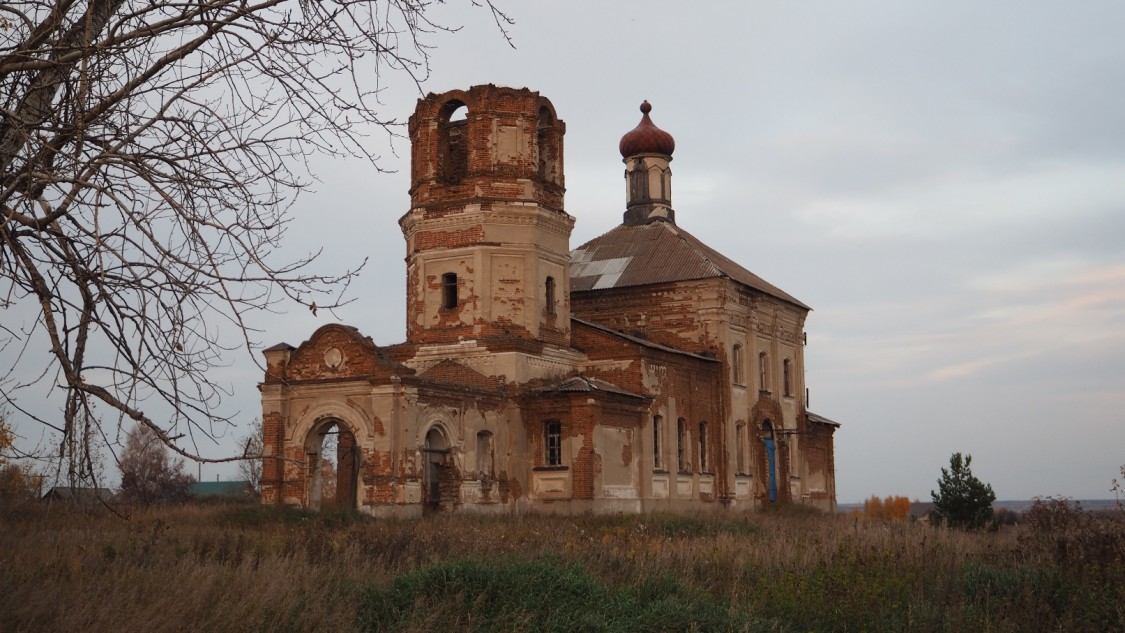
587, 384
820, 419
657, 252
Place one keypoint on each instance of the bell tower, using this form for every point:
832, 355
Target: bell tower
487, 239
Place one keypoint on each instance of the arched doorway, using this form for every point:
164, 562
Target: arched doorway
331, 467
771, 458
434, 452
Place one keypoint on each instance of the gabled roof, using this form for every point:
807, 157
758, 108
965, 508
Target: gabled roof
653, 253
580, 384
79, 494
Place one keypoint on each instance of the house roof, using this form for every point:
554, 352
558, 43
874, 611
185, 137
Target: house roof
657, 252
579, 384
220, 488
820, 419
79, 494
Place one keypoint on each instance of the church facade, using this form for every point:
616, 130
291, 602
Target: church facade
641, 371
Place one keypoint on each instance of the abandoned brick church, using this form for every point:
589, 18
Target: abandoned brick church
641, 371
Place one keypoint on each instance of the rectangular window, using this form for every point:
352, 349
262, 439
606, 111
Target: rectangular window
764, 370
736, 364
740, 448
787, 377
554, 442
702, 447
681, 438
449, 291
484, 454
657, 431
550, 292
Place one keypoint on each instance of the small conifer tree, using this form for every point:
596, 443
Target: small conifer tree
962, 500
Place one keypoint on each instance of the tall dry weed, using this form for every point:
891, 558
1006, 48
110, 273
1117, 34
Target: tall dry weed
262, 569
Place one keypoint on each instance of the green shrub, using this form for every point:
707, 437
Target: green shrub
539, 595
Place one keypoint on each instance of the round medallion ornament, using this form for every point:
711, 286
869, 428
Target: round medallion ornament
333, 358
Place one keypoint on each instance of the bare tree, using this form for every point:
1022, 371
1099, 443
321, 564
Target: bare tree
149, 152
149, 475
250, 468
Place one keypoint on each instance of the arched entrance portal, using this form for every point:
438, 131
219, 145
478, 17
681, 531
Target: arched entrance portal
435, 451
771, 458
331, 467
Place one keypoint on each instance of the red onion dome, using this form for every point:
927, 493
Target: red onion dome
646, 138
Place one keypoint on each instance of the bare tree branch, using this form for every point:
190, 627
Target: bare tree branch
149, 154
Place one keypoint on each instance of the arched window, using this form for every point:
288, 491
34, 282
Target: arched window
764, 370
736, 364
703, 447
454, 144
681, 439
548, 146
449, 291
550, 295
657, 445
787, 377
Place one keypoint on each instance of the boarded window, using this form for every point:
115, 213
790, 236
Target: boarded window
484, 454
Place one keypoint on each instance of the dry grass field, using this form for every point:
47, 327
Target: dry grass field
246, 568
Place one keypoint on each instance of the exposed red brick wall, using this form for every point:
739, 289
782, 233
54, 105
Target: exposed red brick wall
667, 314
426, 240
346, 467
272, 467
487, 176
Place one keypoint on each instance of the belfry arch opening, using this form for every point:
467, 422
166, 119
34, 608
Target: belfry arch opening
331, 467
547, 146
453, 142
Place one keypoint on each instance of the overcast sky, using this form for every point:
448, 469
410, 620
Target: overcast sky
944, 183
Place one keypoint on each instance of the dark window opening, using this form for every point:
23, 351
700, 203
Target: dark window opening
787, 376
547, 147
657, 458
764, 370
736, 361
554, 442
702, 447
740, 448
681, 438
550, 292
449, 291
